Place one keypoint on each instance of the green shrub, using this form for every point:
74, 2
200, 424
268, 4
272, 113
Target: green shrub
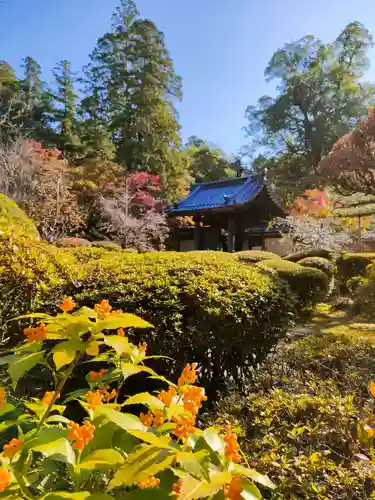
310, 285
107, 245
301, 423
73, 242
350, 265
205, 308
253, 256
14, 220
316, 252
324, 265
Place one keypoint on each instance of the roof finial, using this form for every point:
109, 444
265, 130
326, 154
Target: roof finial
265, 172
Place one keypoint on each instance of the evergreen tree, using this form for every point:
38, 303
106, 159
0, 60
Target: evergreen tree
65, 111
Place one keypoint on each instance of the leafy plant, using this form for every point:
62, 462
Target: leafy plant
112, 453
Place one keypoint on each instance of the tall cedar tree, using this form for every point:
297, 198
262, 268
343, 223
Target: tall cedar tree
132, 76
65, 110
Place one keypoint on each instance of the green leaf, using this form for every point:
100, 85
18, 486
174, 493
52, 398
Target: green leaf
58, 419
74, 395
5, 360
60, 495
92, 348
146, 399
85, 311
22, 364
124, 420
124, 320
214, 440
146, 461
102, 459
195, 464
6, 408
193, 488
250, 491
65, 352
32, 315
53, 443
27, 347
120, 344
254, 476
151, 438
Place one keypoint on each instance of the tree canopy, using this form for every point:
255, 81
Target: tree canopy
320, 95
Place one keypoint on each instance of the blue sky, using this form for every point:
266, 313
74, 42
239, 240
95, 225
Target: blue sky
220, 48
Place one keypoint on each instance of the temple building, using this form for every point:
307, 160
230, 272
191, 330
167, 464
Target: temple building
229, 215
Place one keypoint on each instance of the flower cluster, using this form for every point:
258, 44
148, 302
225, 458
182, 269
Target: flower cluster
193, 397
151, 482
80, 435
231, 446
2, 396
95, 375
67, 304
12, 448
177, 487
234, 489
36, 334
188, 375
4, 479
95, 398
103, 309
49, 397
152, 419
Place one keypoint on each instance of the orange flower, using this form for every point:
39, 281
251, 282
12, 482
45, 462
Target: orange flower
2, 396
159, 419
95, 375
49, 396
146, 418
188, 375
103, 309
107, 396
121, 332
176, 487
234, 489
193, 397
151, 482
4, 479
167, 396
186, 427
94, 399
36, 334
231, 446
80, 436
12, 448
67, 304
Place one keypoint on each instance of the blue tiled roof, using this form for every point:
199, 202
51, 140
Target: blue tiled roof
209, 195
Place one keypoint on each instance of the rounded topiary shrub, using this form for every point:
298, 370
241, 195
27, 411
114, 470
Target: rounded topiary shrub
215, 312
107, 245
350, 265
315, 252
310, 285
14, 220
253, 256
324, 265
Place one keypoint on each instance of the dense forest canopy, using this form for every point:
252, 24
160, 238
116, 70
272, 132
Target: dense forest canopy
89, 131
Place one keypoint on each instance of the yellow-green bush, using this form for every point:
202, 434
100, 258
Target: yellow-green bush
107, 245
253, 256
301, 423
315, 252
310, 285
350, 265
205, 308
324, 265
14, 220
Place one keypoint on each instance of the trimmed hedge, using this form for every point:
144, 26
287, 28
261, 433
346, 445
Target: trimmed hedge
14, 220
310, 285
254, 256
350, 265
320, 263
107, 245
315, 252
73, 242
205, 308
